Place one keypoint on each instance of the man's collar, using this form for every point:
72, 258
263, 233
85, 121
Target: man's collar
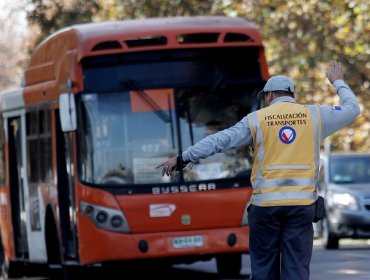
284, 99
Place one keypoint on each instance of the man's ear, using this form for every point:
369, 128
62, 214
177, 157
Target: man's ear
268, 95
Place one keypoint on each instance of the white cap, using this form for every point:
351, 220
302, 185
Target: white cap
276, 83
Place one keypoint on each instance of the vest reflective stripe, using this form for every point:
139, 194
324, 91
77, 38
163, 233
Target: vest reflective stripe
259, 184
285, 189
258, 150
283, 167
275, 196
279, 179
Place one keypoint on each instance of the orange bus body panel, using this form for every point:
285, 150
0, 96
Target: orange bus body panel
6, 224
98, 245
207, 211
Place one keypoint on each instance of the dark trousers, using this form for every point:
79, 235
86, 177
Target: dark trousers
281, 241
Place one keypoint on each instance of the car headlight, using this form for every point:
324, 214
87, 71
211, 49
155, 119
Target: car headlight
345, 201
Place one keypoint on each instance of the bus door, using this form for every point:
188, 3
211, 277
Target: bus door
17, 179
66, 197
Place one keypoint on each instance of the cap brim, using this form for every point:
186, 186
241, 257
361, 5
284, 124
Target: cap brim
261, 95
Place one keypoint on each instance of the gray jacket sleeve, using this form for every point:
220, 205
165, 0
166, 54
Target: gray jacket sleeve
334, 118
235, 136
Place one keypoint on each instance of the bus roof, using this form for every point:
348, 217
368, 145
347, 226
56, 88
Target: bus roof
162, 24
52, 61
116, 36
121, 29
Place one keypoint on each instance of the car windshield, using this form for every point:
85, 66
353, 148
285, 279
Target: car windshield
349, 169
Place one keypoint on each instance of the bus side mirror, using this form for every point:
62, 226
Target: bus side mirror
67, 112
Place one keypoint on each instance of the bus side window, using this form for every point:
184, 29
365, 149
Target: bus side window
39, 159
39, 146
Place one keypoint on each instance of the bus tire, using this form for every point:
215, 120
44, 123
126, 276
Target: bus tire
3, 269
229, 264
9, 269
12, 269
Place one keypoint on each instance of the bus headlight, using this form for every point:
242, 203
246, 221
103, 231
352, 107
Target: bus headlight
101, 217
116, 221
104, 217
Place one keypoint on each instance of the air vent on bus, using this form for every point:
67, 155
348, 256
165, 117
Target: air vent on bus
107, 45
146, 41
237, 37
197, 38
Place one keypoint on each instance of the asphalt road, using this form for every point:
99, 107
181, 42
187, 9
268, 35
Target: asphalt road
350, 261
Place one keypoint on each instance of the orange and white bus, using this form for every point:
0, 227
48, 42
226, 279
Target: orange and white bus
102, 104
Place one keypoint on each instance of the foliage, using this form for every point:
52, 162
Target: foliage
50, 16
124, 9
11, 47
300, 37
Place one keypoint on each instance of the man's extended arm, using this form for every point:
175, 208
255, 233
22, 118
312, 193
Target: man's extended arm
235, 136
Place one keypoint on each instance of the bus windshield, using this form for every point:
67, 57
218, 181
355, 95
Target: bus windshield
144, 117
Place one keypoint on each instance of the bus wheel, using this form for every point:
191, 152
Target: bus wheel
3, 262
229, 264
10, 269
4, 269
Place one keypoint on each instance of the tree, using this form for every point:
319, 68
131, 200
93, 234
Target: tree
12, 53
124, 9
300, 37
48, 16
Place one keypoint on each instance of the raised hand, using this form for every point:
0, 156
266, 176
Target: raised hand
335, 72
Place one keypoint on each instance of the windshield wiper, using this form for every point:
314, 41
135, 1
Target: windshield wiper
148, 100
157, 110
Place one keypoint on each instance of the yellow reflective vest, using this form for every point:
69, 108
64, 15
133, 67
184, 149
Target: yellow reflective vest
286, 139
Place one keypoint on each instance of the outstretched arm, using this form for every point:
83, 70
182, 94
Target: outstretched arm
235, 136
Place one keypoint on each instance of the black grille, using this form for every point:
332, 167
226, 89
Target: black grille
197, 38
107, 45
237, 37
146, 41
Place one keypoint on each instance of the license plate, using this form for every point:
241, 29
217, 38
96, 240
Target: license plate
187, 241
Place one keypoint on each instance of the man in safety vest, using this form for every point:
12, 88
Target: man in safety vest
286, 137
